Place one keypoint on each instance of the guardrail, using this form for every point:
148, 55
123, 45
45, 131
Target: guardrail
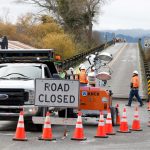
146, 65
75, 60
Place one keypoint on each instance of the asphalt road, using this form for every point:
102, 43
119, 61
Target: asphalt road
125, 62
131, 141
126, 59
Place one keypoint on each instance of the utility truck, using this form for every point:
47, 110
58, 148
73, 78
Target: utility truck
24, 74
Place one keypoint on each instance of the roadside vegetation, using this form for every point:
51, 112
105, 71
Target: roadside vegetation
65, 25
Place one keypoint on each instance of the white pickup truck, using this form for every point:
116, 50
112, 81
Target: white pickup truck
18, 71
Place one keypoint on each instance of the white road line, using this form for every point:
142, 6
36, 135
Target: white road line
117, 56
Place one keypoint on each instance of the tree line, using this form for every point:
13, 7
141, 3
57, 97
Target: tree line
66, 25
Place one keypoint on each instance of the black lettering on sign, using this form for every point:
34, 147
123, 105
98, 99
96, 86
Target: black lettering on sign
53, 98
47, 87
65, 98
53, 86
59, 98
60, 87
41, 97
66, 87
46, 98
72, 99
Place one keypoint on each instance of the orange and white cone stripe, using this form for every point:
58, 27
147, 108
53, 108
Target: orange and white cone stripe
136, 122
20, 131
124, 124
79, 132
101, 133
108, 126
47, 130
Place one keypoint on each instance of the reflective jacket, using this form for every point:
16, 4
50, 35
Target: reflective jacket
83, 77
135, 82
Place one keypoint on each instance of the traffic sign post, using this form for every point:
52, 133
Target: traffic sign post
57, 93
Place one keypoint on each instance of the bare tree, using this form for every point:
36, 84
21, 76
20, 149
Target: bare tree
75, 15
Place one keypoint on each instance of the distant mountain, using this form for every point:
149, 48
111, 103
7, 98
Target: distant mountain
131, 35
129, 39
130, 32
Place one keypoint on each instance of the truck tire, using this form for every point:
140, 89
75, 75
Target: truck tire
113, 115
70, 113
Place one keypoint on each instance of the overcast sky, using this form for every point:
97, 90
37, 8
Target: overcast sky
14, 10
117, 14
125, 14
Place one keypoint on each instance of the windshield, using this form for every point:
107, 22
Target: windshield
26, 72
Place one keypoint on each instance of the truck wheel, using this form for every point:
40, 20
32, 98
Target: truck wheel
70, 113
113, 115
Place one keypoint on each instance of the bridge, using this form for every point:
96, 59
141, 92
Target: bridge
126, 59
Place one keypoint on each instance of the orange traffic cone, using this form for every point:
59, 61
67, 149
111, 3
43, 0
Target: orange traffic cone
78, 133
47, 130
148, 107
136, 122
118, 115
20, 131
101, 133
108, 125
124, 124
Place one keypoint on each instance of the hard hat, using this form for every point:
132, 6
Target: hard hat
82, 67
71, 69
93, 68
135, 72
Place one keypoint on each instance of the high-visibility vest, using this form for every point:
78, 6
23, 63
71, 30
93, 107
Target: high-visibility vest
83, 77
135, 81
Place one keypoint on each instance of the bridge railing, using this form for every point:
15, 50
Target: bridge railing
146, 69
77, 59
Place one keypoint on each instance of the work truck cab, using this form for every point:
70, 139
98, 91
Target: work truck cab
18, 71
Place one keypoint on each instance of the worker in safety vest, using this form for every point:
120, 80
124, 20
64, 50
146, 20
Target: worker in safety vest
82, 76
92, 77
77, 72
135, 83
61, 72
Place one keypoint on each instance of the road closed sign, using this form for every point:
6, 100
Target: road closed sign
56, 93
